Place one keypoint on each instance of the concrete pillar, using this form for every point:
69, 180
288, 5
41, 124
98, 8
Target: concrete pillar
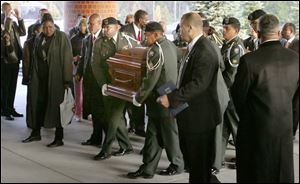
73, 8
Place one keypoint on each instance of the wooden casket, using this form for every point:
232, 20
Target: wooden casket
127, 69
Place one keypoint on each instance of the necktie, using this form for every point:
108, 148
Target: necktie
113, 40
139, 36
94, 38
182, 62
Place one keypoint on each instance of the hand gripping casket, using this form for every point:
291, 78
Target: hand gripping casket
127, 69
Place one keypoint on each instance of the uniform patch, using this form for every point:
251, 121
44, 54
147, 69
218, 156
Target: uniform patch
235, 61
236, 50
151, 53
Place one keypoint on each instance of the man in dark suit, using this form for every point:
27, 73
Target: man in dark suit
10, 68
289, 33
136, 30
251, 44
92, 98
263, 91
197, 86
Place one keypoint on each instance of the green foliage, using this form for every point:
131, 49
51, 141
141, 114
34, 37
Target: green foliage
286, 11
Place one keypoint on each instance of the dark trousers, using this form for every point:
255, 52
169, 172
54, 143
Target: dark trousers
9, 77
115, 125
199, 152
93, 103
161, 133
2, 86
59, 132
136, 117
230, 126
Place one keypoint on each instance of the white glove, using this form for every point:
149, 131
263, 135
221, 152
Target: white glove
104, 89
135, 102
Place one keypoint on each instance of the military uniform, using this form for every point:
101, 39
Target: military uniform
162, 131
113, 107
231, 51
252, 43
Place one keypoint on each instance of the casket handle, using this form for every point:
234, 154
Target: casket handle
123, 81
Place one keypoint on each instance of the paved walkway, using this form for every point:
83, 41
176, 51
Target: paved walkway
72, 163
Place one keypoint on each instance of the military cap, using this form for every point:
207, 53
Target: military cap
231, 20
256, 14
109, 20
153, 26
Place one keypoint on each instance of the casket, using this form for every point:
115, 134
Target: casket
127, 69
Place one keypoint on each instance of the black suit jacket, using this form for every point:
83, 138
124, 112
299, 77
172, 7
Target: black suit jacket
264, 87
295, 45
198, 88
86, 54
263, 91
129, 30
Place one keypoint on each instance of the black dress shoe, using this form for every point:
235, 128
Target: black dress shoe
131, 130
139, 173
55, 143
214, 171
102, 156
122, 152
91, 143
9, 117
15, 114
140, 133
168, 172
31, 138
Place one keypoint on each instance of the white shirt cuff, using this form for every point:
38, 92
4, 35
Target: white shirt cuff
135, 102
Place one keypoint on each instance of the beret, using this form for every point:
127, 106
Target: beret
109, 20
153, 26
256, 14
231, 20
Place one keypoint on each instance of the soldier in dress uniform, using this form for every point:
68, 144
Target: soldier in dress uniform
105, 47
162, 131
251, 43
232, 50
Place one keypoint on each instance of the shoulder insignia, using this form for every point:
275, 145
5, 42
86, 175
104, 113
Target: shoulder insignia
235, 62
151, 53
236, 50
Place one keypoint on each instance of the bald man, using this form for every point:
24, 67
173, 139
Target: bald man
196, 86
92, 98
